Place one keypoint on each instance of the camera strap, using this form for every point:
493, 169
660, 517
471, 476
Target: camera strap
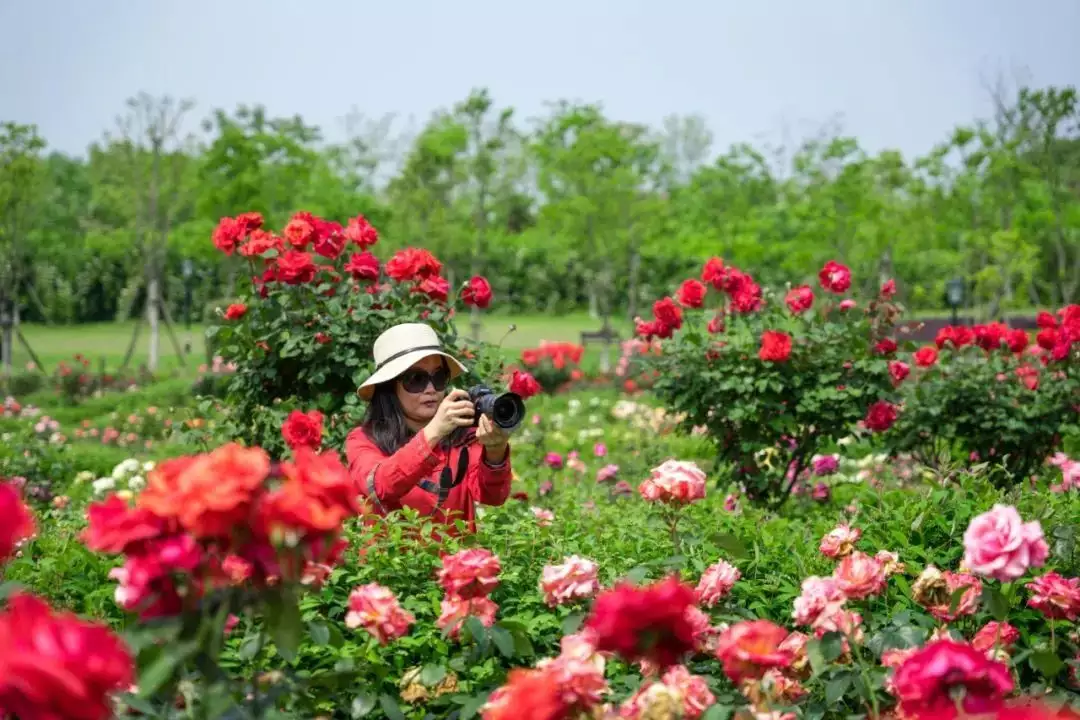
448, 480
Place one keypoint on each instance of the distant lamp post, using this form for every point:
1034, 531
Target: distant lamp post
954, 296
188, 271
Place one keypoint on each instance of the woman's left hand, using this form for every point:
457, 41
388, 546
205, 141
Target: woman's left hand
493, 438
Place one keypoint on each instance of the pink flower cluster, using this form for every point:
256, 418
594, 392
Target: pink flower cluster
468, 577
376, 609
1070, 473
574, 579
674, 481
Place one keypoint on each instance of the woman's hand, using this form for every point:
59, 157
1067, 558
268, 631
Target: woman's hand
493, 438
455, 411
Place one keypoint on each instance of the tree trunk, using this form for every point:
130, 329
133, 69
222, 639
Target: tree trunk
153, 313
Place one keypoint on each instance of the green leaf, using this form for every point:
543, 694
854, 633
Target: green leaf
390, 706
835, 688
832, 646
470, 707
362, 705
637, 574
717, 712
249, 647
1046, 662
164, 667
320, 633
432, 675
995, 603
729, 544
285, 624
504, 641
572, 623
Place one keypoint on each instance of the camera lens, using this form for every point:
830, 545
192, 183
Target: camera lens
508, 411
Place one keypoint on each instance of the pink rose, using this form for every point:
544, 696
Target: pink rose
859, 576
716, 582
573, 580
470, 573
376, 609
454, 612
999, 545
839, 541
818, 593
674, 481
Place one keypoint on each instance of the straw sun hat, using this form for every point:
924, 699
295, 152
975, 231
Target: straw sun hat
399, 348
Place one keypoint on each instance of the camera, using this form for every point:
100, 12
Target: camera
506, 410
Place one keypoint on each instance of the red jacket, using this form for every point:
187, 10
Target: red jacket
438, 483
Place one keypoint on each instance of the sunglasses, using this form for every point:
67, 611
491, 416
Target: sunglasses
416, 381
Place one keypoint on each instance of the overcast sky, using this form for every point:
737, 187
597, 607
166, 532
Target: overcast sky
897, 73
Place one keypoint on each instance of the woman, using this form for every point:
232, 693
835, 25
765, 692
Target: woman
417, 447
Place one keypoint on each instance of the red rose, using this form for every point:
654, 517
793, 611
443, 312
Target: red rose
751, 647
412, 264
691, 294
714, 273
531, 695
524, 384
1047, 338
300, 231
436, 288
898, 371
115, 527
926, 356
1029, 376
667, 313
834, 277
322, 338
888, 289
990, 336
228, 234
477, 292
54, 665
329, 239
16, 523
887, 346
956, 335
1045, 320
799, 299
360, 232
363, 266
250, 221
927, 681
1018, 340
295, 268
651, 329
644, 623
775, 346
744, 292
716, 325
259, 243
303, 429
235, 311
881, 416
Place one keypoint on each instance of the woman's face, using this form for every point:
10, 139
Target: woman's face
420, 406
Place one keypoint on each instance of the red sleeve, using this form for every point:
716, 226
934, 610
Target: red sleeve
490, 485
395, 475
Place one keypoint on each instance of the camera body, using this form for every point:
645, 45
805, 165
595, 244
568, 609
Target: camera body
507, 411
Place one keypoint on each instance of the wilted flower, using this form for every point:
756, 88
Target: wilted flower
574, 579
839, 541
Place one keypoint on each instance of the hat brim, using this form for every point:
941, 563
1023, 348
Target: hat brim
399, 365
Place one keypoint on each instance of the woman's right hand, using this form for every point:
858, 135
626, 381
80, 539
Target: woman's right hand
455, 411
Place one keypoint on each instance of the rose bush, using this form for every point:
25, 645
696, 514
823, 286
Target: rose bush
987, 394
301, 336
774, 381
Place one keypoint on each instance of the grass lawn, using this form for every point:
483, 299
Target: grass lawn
107, 342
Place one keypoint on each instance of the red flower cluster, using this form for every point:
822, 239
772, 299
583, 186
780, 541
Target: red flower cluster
927, 682
649, 623
221, 518
16, 522
881, 416
54, 666
742, 291
303, 429
560, 354
691, 293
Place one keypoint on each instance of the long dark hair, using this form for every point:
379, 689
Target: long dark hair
384, 422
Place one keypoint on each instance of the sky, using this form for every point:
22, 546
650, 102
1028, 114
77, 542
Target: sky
894, 73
